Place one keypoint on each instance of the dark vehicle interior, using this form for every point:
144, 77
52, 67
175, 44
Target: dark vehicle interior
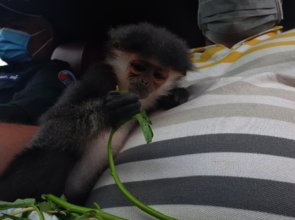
85, 25
92, 18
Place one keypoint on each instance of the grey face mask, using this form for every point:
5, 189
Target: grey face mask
230, 21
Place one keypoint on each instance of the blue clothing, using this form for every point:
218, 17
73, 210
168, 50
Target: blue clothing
28, 89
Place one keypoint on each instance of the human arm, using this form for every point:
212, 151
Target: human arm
13, 137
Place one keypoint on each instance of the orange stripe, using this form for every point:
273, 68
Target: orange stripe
208, 54
198, 49
253, 42
282, 36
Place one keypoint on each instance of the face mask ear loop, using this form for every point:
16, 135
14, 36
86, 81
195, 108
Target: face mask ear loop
42, 47
281, 12
32, 35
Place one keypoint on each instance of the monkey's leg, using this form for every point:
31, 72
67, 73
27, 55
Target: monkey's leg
87, 170
35, 172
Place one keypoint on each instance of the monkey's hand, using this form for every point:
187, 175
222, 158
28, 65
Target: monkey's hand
120, 106
175, 98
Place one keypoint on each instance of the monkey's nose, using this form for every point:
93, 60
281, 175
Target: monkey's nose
145, 82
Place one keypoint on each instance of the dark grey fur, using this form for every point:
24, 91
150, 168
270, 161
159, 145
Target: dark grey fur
153, 44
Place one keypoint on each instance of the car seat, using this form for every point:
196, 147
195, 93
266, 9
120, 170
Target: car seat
80, 55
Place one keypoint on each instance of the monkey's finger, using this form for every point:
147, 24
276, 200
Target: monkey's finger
130, 110
115, 119
125, 112
118, 115
181, 95
113, 95
114, 92
113, 102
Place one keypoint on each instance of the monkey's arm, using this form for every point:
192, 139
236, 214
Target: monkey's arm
82, 178
79, 115
85, 110
66, 131
45, 163
175, 98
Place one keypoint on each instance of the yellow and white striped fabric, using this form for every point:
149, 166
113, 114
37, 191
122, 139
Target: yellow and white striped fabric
229, 152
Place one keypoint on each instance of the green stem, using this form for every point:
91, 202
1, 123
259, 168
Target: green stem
135, 201
79, 209
41, 216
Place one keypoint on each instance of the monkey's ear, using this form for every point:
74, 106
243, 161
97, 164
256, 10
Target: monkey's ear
116, 44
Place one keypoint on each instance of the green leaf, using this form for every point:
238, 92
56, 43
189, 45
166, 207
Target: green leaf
45, 206
145, 122
19, 203
143, 113
67, 216
74, 216
88, 215
26, 214
12, 217
77, 209
63, 197
117, 88
96, 205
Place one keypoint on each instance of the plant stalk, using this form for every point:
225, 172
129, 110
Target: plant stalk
127, 194
79, 209
22, 210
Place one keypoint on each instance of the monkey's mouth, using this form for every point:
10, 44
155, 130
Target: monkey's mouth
142, 94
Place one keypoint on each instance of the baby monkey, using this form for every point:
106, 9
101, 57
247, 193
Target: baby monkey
69, 151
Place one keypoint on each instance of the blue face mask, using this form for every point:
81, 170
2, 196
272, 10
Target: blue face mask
13, 45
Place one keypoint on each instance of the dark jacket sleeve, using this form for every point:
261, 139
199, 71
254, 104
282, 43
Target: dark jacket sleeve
40, 93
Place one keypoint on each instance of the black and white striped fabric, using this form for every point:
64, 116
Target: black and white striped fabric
229, 152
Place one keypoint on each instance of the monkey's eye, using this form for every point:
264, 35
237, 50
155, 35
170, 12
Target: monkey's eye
138, 67
159, 76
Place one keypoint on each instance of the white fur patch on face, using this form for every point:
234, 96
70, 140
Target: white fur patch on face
120, 62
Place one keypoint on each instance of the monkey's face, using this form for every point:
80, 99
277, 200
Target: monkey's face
145, 77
